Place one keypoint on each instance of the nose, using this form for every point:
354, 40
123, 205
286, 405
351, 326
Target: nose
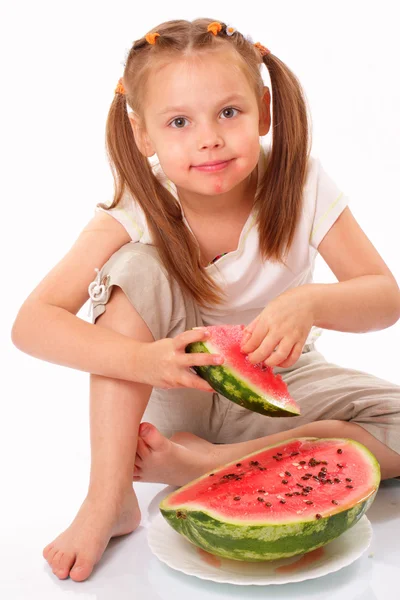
209, 137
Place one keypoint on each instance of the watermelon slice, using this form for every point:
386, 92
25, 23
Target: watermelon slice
284, 500
255, 387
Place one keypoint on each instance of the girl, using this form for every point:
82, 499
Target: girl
217, 230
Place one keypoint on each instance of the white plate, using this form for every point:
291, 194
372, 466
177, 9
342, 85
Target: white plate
179, 554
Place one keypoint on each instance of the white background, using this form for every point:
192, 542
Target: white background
60, 63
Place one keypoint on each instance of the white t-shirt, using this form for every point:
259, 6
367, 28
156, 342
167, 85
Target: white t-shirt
250, 283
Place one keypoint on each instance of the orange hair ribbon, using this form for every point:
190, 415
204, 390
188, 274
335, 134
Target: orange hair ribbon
214, 27
151, 37
120, 88
263, 50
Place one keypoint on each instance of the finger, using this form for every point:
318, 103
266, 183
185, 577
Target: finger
280, 353
293, 356
248, 331
259, 333
265, 349
198, 334
200, 359
196, 382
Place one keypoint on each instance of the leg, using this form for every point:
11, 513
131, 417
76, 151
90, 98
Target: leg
143, 304
185, 457
110, 508
334, 401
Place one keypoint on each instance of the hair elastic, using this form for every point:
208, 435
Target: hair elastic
215, 27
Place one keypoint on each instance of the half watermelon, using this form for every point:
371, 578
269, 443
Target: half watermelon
284, 500
255, 387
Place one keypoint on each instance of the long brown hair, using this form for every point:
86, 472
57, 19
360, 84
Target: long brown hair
278, 200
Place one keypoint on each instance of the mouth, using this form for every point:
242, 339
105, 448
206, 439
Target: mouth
214, 165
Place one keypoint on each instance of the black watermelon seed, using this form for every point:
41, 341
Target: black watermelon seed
339, 451
318, 516
348, 479
335, 502
211, 474
321, 474
309, 502
308, 488
349, 486
284, 481
260, 499
261, 491
337, 480
295, 453
296, 493
308, 474
254, 463
237, 498
299, 485
288, 474
282, 501
268, 504
288, 494
339, 465
312, 462
279, 453
305, 478
323, 469
316, 477
262, 468
302, 462
239, 464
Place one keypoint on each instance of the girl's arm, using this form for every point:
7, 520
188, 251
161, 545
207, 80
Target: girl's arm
47, 326
367, 297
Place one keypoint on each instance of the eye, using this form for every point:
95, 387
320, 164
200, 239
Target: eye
178, 119
181, 119
229, 108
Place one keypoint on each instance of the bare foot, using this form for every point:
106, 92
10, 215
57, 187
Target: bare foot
174, 462
75, 551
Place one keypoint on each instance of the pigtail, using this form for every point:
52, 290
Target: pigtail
132, 172
281, 191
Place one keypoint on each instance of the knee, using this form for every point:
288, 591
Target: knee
123, 318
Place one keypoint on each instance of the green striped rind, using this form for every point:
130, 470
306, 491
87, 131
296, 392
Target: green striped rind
252, 541
222, 380
258, 543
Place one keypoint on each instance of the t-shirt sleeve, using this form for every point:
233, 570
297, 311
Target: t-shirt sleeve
330, 201
129, 214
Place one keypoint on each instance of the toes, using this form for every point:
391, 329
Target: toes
47, 550
142, 451
51, 555
62, 564
152, 437
82, 569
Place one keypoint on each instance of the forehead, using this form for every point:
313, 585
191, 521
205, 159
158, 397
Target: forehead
196, 78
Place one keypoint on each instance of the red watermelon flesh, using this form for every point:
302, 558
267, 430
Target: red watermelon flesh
275, 487
254, 386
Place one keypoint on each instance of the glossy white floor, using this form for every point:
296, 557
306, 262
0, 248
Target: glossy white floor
128, 569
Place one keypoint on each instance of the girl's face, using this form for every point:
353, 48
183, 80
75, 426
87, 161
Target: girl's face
202, 109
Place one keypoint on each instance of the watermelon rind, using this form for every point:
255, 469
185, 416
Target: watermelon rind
252, 541
224, 381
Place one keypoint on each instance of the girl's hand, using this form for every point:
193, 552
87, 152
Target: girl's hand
278, 334
166, 365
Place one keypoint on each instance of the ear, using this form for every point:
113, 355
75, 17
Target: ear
142, 139
265, 112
